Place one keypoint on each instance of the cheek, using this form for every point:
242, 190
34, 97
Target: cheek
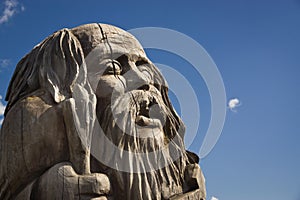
109, 85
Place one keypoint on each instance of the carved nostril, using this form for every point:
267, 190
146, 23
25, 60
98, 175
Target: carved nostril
144, 87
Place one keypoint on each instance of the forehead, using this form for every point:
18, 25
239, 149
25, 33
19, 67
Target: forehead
104, 40
120, 40
116, 45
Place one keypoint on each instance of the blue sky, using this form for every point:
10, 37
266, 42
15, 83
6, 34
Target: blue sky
256, 46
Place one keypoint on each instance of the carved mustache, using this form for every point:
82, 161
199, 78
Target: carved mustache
145, 108
137, 107
148, 106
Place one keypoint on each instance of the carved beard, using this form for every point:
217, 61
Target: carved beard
155, 171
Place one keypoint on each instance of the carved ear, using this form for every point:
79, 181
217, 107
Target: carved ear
59, 57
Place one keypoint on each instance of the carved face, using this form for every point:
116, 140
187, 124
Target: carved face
128, 86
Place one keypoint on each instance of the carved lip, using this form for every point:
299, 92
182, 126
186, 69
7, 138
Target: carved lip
145, 121
149, 127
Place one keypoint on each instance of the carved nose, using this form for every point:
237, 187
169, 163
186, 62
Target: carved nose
136, 80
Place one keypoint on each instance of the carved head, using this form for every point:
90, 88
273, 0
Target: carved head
133, 108
111, 63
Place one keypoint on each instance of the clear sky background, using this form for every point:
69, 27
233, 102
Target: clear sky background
256, 46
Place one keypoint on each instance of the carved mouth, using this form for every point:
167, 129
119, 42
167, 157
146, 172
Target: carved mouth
149, 114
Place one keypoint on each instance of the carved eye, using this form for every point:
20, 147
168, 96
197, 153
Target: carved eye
113, 68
